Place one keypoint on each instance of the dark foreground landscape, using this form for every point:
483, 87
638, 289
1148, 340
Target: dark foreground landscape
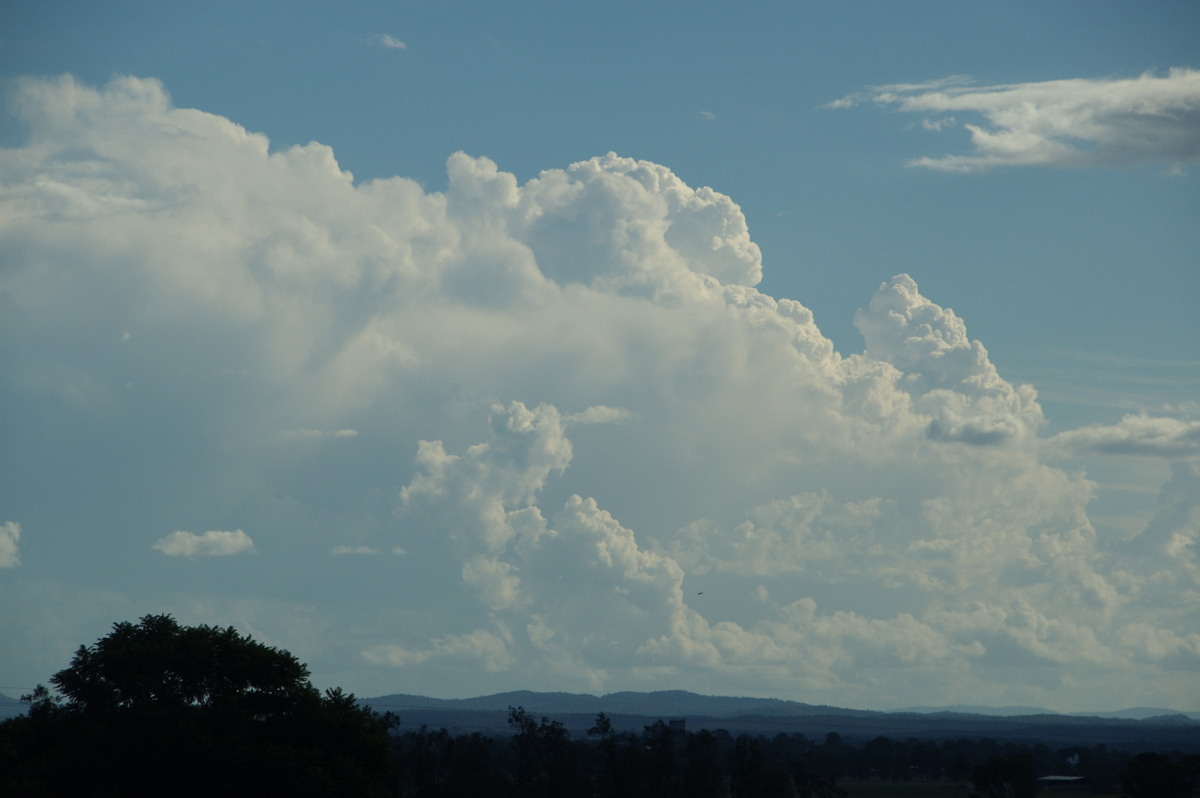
156, 708
631, 711
679, 743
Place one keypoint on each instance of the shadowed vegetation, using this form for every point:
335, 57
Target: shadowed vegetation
156, 708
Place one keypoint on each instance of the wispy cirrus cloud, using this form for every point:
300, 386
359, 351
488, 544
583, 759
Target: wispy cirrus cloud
1076, 122
213, 543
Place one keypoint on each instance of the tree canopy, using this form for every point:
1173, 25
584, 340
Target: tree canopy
159, 663
159, 708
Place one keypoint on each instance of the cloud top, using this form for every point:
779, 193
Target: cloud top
1065, 123
210, 544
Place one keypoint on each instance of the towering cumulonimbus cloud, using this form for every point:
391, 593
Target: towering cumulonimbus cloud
548, 417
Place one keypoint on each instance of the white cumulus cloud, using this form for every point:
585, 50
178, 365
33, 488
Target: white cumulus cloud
212, 543
1070, 123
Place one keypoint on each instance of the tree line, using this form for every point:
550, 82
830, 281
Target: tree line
156, 708
540, 759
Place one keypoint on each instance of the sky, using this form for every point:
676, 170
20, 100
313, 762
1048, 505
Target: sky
845, 353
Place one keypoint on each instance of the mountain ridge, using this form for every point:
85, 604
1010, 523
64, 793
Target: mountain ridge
684, 702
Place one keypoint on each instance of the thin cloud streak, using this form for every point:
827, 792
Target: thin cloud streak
1140, 435
1061, 123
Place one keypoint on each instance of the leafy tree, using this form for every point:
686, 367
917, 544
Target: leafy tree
159, 708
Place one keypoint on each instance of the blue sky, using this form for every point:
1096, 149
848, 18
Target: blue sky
693, 365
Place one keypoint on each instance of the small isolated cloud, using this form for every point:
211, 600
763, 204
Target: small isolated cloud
1067, 123
340, 550
1143, 435
388, 41
211, 544
10, 535
709, 115
938, 125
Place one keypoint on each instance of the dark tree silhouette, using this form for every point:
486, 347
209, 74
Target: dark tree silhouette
608, 771
159, 708
702, 772
546, 764
1154, 775
1010, 776
746, 767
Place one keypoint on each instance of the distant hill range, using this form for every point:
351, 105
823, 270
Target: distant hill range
683, 703
631, 711
665, 703
1133, 713
1137, 728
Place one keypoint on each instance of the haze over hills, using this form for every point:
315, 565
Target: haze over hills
666, 703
